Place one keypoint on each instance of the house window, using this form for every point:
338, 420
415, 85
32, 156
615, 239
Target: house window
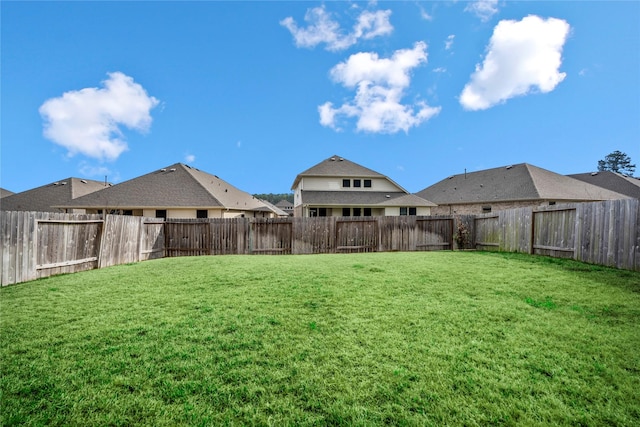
202, 213
367, 211
346, 183
357, 183
313, 211
346, 211
486, 209
367, 183
357, 211
552, 203
161, 213
128, 212
413, 211
322, 211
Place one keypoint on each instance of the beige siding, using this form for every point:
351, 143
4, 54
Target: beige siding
335, 184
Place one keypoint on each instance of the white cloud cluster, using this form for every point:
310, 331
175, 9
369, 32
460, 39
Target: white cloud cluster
483, 9
88, 121
379, 85
322, 28
522, 56
448, 43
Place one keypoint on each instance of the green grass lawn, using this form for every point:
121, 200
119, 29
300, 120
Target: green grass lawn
431, 338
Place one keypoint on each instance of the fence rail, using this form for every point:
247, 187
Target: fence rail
40, 244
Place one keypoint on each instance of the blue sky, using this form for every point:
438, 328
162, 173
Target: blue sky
257, 92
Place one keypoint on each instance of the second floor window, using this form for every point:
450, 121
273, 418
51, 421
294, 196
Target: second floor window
357, 183
346, 183
367, 183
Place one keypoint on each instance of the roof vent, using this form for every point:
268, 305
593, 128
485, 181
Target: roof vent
341, 159
594, 173
163, 170
63, 183
333, 159
84, 181
509, 167
387, 196
56, 183
172, 170
451, 177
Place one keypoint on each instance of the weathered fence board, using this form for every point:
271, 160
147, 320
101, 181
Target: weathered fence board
357, 235
554, 231
313, 235
271, 236
434, 234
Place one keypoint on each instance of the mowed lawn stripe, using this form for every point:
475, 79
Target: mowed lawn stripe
426, 338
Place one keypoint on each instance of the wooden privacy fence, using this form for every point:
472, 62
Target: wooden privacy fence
605, 233
189, 237
40, 244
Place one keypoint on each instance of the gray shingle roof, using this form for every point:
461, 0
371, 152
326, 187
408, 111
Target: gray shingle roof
47, 197
362, 198
5, 193
338, 166
284, 204
176, 186
617, 182
513, 183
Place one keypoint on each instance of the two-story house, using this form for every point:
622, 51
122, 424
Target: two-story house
339, 187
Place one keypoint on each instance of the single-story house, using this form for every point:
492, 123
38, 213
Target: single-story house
47, 197
510, 187
339, 187
623, 184
176, 191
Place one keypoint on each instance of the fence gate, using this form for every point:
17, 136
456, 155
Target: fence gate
554, 232
357, 235
434, 234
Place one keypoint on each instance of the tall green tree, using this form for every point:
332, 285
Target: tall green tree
617, 162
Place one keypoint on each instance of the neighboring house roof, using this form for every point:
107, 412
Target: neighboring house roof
284, 204
176, 186
513, 183
48, 197
5, 193
363, 198
336, 166
270, 207
613, 181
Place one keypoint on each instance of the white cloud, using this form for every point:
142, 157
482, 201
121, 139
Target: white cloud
88, 121
87, 169
440, 70
483, 9
189, 158
424, 14
322, 28
379, 85
522, 57
448, 43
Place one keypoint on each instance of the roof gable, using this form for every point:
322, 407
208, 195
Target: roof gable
510, 183
337, 166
